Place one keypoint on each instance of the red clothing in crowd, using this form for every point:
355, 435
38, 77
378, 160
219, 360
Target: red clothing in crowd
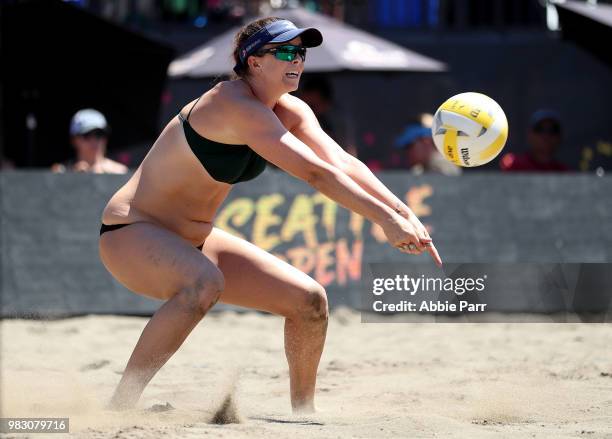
524, 162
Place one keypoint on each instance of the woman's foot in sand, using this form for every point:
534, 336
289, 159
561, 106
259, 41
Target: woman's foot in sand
122, 400
305, 408
117, 406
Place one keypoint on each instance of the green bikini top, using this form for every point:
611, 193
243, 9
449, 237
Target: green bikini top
224, 162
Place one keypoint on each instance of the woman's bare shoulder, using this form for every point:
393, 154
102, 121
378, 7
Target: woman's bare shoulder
219, 112
221, 94
289, 102
292, 111
230, 93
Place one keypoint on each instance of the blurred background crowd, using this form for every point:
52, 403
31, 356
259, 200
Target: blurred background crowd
88, 84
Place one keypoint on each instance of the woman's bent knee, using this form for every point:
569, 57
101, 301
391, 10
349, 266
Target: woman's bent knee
201, 294
314, 306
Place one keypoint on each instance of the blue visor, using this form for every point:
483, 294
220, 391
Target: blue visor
410, 134
277, 32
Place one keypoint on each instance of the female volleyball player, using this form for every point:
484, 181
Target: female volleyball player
157, 237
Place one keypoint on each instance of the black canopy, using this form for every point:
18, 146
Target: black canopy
589, 25
344, 48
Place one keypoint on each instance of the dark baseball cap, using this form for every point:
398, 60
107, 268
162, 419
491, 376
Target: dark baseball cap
544, 114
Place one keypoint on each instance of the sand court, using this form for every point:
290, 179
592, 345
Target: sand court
375, 380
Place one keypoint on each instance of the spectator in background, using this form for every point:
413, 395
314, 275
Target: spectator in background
317, 92
544, 138
426, 119
89, 134
421, 155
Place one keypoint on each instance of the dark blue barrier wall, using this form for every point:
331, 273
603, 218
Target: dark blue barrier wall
49, 230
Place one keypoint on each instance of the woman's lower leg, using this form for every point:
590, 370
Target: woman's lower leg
160, 339
304, 341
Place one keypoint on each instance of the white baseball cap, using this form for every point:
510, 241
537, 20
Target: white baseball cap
87, 120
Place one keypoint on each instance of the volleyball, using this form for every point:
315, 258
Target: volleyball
470, 129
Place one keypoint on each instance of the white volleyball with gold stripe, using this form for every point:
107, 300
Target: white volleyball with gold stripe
470, 129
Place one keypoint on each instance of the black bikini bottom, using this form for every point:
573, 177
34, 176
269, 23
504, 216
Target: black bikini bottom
105, 228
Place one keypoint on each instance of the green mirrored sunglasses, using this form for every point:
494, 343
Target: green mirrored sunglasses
285, 53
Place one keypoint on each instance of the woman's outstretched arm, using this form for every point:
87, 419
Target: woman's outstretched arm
306, 128
261, 129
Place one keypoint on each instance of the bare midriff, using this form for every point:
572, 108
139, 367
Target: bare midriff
170, 188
